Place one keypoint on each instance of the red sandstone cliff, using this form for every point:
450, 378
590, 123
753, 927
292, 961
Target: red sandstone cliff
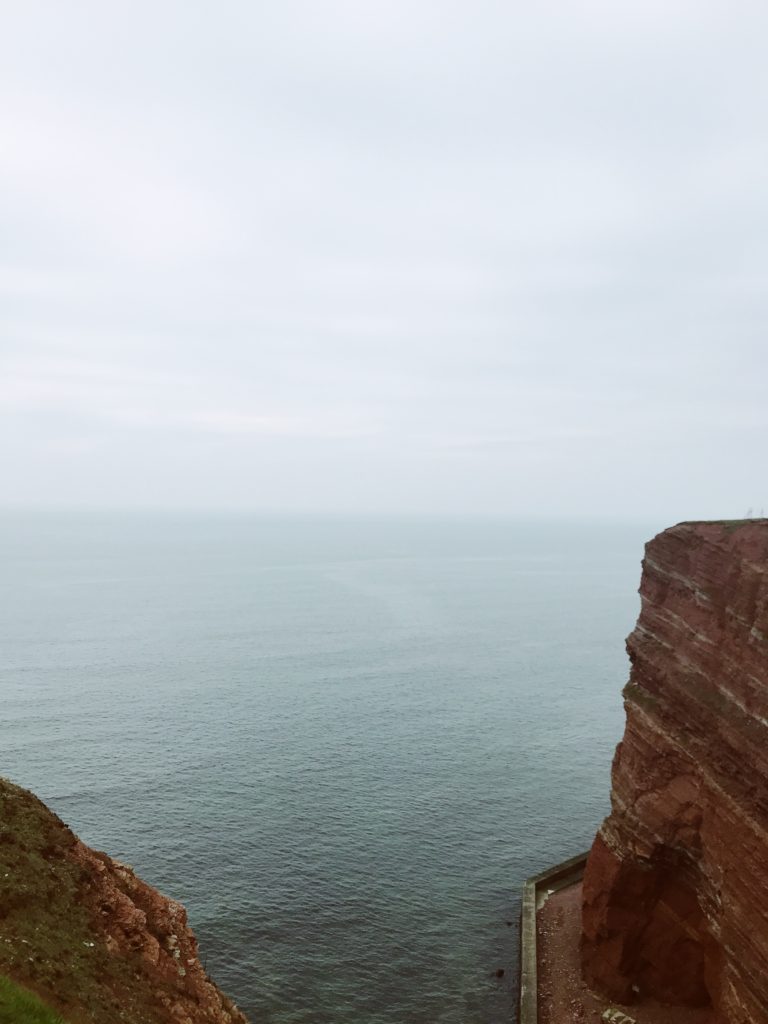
88, 935
676, 886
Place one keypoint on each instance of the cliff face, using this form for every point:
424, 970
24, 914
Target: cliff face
88, 935
676, 886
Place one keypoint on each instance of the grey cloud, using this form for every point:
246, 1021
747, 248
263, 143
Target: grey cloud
385, 257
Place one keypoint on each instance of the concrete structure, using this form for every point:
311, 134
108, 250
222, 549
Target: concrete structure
535, 892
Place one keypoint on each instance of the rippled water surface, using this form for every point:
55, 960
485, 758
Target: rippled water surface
342, 745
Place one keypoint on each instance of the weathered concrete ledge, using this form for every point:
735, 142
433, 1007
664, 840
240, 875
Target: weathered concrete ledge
535, 892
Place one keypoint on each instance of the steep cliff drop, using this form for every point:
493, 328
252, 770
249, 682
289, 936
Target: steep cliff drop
675, 895
88, 936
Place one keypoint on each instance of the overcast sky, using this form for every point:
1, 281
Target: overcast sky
505, 258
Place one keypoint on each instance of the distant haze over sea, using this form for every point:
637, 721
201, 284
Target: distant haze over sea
342, 744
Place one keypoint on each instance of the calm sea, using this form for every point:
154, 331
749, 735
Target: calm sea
342, 744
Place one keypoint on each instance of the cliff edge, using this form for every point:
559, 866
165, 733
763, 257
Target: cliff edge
88, 936
675, 895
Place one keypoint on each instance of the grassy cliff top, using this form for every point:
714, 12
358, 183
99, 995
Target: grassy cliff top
19, 1006
49, 942
87, 936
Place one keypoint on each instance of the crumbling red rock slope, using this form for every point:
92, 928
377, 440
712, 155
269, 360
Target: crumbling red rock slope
88, 935
676, 886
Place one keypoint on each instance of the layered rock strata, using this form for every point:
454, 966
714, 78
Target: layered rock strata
88, 935
676, 885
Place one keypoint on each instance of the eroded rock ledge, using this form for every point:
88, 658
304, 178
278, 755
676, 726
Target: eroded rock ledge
676, 885
88, 935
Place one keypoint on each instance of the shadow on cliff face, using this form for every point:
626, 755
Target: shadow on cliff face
661, 945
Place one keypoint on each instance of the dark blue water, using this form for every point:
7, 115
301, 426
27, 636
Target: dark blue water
343, 745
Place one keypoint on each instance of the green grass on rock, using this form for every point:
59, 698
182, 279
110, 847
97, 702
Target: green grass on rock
18, 1006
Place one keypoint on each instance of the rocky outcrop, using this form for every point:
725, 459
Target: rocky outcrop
676, 885
88, 935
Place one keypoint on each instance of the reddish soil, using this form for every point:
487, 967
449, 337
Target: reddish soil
563, 996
